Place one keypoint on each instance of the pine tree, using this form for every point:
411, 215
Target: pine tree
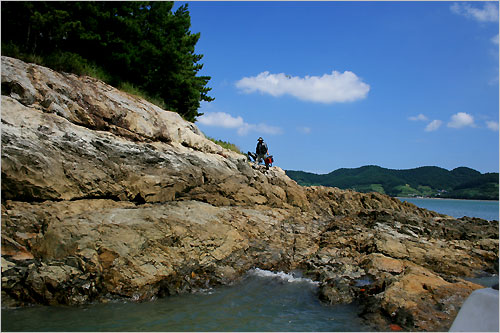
140, 42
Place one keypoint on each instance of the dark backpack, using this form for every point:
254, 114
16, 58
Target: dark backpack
261, 148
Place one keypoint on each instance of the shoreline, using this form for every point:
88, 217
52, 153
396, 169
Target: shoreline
484, 200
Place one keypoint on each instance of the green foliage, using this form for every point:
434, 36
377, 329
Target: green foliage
405, 190
482, 187
142, 43
479, 181
486, 192
133, 90
66, 61
425, 191
91, 69
227, 145
429, 181
11, 49
369, 188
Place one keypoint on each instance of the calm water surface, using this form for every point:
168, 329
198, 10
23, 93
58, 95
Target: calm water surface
262, 301
484, 209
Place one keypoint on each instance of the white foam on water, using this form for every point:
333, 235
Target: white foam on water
281, 275
208, 291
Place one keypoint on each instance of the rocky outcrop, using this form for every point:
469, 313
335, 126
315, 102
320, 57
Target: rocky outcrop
404, 269
105, 195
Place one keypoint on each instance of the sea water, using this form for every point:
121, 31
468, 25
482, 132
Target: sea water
261, 301
484, 209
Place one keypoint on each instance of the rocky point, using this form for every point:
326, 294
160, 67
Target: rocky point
105, 195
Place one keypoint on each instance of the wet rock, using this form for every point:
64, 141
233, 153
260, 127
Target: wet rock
337, 293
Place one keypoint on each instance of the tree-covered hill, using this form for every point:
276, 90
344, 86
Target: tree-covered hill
431, 181
142, 44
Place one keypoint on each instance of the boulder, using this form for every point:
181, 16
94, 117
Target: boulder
424, 301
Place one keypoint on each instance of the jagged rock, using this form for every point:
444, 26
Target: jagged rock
424, 301
379, 262
105, 195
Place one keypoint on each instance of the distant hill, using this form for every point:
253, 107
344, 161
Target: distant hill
428, 181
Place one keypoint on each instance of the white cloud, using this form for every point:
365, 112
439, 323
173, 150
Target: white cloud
460, 120
433, 125
489, 12
222, 119
492, 125
329, 88
420, 117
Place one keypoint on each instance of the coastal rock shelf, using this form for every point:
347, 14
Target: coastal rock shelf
105, 195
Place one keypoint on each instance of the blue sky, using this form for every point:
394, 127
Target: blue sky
333, 85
